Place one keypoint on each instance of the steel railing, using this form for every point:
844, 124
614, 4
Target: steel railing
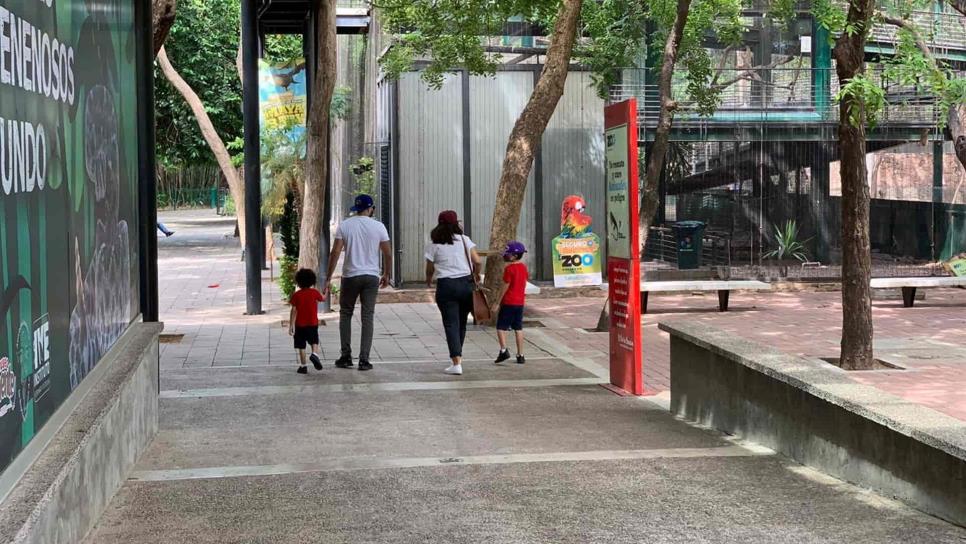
775, 94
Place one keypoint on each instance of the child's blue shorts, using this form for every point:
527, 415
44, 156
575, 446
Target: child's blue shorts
510, 318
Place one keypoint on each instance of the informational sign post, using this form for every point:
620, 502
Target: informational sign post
623, 248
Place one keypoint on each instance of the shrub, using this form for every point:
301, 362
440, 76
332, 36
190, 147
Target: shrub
288, 266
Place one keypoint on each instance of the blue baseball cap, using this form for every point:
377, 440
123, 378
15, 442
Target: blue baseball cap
363, 203
514, 248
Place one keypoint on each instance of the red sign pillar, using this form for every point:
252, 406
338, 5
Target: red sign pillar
623, 246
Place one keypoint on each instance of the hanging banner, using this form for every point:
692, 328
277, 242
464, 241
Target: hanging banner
68, 201
282, 99
576, 251
623, 251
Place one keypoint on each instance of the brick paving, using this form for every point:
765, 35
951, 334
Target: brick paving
929, 340
202, 297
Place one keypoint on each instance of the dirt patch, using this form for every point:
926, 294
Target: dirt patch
877, 364
170, 338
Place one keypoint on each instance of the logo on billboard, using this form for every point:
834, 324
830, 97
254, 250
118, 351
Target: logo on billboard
41, 358
8, 387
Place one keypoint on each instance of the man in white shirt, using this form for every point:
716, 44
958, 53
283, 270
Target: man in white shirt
363, 239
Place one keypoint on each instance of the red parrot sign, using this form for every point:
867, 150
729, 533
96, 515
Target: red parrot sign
576, 251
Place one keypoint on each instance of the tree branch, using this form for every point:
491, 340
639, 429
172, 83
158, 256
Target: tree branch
909, 26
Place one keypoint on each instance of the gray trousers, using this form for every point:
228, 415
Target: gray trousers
352, 289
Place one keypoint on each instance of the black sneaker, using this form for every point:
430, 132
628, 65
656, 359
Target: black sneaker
344, 362
365, 365
503, 356
521, 359
315, 361
303, 370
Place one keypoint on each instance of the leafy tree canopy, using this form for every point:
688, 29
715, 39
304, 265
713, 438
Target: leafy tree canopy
203, 46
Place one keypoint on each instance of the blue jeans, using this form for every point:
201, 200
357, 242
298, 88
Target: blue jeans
454, 298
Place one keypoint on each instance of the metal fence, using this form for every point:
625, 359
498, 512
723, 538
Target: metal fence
778, 94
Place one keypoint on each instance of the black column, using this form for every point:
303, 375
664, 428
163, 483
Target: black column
147, 183
253, 196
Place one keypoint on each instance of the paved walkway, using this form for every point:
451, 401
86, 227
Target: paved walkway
928, 341
249, 451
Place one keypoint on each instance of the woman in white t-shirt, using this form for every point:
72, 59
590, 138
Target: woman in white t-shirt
452, 260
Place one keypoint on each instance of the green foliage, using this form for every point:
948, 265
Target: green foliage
862, 96
364, 176
203, 47
617, 31
288, 266
288, 226
910, 66
788, 245
283, 166
283, 48
447, 32
830, 15
341, 105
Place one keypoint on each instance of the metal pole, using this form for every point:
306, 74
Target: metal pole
253, 196
147, 182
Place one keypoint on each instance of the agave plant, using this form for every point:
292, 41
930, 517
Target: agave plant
789, 247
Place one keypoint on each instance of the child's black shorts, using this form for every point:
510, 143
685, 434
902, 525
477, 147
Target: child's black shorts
306, 336
510, 317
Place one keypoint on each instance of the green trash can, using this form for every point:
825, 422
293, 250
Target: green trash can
689, 235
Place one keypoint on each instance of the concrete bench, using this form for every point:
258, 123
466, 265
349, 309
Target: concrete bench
909, 285
723, 287
819, 416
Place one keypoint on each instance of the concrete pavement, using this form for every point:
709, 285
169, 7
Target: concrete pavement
249, 451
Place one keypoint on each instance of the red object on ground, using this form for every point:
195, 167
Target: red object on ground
214, 286
306, 306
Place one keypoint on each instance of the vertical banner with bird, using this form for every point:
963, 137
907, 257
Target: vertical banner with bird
576, 251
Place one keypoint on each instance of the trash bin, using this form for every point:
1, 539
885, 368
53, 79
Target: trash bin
688, 235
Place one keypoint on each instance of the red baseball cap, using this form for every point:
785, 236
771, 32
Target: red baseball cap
448, 217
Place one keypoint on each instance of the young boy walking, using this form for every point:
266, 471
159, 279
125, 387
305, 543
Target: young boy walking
515, 276
303, 322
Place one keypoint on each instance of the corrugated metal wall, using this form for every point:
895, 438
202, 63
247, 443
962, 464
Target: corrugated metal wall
430, 176
573, 158
495, 104
430, 163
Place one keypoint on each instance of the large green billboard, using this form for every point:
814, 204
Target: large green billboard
68, 200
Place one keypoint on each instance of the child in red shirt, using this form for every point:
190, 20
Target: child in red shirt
303, 322
515, 276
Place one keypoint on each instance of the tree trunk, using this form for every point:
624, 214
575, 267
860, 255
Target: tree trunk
849, 53
525, 139
162, 17
317, 148
211, 137
655, 162
957, 114
956, 122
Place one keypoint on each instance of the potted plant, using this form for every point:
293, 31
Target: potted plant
789, 247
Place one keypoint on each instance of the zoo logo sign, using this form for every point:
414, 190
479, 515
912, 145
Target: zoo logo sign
8, 387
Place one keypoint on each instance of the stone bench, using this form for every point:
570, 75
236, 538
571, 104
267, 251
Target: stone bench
816, 414
723, 287
909, 285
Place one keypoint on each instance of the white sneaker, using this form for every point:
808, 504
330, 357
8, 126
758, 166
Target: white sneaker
456, 370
